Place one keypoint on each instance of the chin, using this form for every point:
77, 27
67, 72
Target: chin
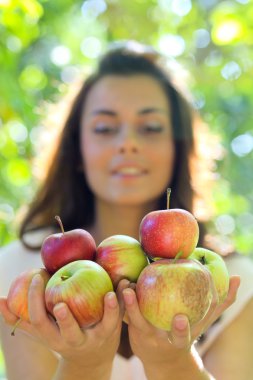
131, 197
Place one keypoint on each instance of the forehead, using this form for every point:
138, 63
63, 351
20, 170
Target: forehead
117, 91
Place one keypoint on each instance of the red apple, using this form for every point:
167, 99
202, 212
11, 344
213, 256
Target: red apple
167, 287
122, 257
82, 285
169, 233
62, 248
17, 298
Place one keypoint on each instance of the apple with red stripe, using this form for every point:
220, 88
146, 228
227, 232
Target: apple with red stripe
168, 287
17, 298
169, 233
122, 257
82, 285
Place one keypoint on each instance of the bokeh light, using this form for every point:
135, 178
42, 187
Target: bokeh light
231, 71
242, 145
171, 45
91, 9
225, 224
202, 38
181, 7
17, 131
60, 55
91, 47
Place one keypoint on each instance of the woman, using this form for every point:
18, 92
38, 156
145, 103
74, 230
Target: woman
127, 138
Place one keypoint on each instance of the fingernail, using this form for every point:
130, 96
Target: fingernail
112, 301
181, 322
60, 311
128, 297
36, 280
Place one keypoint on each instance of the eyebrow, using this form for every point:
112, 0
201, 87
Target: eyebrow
143, 111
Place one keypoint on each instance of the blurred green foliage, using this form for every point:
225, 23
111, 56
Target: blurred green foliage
44, 45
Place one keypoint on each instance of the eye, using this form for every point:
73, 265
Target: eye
105, 129
151, 128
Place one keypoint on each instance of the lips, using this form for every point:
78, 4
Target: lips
128, 170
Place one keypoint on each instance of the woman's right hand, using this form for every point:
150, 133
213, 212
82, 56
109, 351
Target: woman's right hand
90, 348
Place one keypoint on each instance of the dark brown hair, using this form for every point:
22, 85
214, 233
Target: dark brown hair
65, 191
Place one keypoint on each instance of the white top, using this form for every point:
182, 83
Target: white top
15, 258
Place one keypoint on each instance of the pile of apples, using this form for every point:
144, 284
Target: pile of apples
172, 276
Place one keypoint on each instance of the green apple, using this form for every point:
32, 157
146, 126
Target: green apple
217, 267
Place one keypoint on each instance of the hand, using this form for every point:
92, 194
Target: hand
157, 346
91, 347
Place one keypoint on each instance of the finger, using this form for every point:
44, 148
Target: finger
123, 284
13, 320
111, 317
133, 312
180, 335
234, 284
37, 310
199, 327
8, 317
132, 285
216, 310
69, 327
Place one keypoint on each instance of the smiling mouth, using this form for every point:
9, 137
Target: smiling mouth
129, 171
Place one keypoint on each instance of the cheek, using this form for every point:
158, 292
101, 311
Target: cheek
95, 159
162, 160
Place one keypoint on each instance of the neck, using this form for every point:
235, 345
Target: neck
118, 220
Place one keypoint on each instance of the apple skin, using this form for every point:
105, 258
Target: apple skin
82, 285
122, 257
167, 233
60, 249
167, 287
217, 267
17, 298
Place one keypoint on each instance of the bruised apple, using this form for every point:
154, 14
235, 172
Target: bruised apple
122, 257
167, 287
82, 285
169, 233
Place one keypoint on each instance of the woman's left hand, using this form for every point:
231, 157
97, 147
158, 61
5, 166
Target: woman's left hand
157, 346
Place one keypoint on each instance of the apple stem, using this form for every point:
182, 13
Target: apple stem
203, 260
15, 326
64, 277
178, 255
60, 223
168, 197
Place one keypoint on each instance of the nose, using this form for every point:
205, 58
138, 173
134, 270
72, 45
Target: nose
128, 142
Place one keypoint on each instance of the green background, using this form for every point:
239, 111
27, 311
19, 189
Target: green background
44, 45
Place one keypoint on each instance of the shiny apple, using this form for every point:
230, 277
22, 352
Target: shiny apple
169, 287
17, 298
122, 257
62, 248
82, 285
169, 233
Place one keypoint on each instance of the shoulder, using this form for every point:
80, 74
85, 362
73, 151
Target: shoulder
16, 258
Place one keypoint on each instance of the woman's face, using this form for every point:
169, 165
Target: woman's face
126, 140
